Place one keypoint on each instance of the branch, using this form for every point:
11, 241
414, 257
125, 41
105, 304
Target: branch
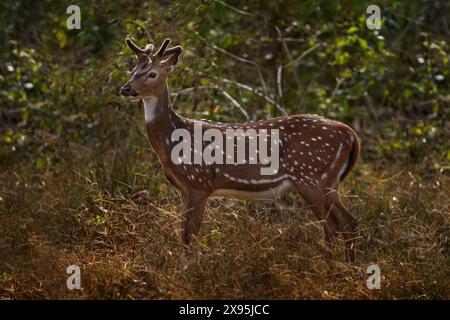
279, 75
235, 103
303, 55
289, 55
234, 8
234, 56
257, 92
216, 87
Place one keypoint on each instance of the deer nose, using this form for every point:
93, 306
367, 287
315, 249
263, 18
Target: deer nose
125, 90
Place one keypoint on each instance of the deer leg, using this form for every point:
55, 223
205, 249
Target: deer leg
347, 223
193, 208
316, 201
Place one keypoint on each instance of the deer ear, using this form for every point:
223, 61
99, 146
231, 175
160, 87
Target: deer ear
172, 60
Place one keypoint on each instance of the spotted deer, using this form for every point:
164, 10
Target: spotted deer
315, 154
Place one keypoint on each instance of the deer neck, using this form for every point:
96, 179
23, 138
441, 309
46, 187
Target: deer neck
161, 120
156, 108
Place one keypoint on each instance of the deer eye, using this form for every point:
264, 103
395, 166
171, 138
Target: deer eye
152, 75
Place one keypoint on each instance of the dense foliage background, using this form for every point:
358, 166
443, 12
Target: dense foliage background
80, 185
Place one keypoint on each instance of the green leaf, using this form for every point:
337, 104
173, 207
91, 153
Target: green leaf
61, 37
352, 30
40, 163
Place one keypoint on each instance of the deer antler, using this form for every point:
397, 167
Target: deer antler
133, 47
147, 50
163, 52
163, 48
176, 49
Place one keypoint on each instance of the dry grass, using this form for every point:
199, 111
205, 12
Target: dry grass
127, 244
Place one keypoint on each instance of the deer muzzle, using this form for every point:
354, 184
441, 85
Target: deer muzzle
127, 91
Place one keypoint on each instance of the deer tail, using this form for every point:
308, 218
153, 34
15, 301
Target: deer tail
353, 156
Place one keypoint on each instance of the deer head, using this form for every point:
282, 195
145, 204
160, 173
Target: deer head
148, 77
